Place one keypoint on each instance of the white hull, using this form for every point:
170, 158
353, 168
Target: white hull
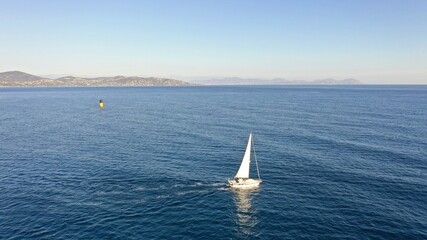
244, 183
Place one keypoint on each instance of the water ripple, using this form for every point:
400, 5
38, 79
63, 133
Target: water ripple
336, 163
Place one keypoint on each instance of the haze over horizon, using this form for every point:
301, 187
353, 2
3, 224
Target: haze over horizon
376, 42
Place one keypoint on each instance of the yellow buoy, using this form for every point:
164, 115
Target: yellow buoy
101, 104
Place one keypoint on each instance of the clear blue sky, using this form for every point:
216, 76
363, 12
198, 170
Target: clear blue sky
381, 41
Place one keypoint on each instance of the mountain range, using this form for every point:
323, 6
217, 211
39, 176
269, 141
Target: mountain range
17, 78
275, 81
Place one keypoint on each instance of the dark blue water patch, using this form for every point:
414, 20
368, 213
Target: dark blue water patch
336, 162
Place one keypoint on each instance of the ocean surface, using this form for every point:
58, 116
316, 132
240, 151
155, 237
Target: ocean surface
337, 162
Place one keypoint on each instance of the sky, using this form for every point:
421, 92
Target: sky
378, 42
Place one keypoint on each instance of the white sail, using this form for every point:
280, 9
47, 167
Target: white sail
246, 162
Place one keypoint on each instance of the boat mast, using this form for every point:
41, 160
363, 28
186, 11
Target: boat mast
256, 162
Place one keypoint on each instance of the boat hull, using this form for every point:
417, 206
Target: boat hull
244, 183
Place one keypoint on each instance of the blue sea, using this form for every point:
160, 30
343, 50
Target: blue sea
337, 162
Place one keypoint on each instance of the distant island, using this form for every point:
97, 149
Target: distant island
21, 79
275, 81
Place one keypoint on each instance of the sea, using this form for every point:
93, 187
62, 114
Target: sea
337, 162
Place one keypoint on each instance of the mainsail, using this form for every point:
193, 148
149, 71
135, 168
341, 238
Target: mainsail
246, 162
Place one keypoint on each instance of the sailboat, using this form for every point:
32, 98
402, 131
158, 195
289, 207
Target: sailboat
242, 180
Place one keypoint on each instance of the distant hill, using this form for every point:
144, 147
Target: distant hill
24, 79
275, 81
331, 81
17, 76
